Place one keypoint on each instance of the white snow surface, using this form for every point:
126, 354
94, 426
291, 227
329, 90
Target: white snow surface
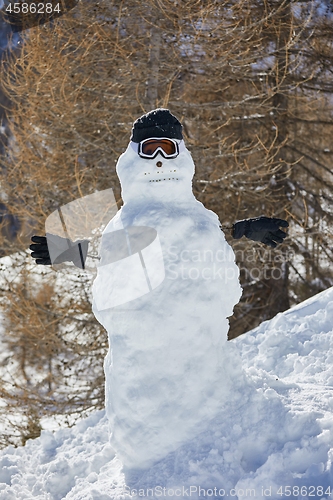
276, 439
169, 370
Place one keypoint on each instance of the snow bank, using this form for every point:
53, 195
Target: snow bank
275, 442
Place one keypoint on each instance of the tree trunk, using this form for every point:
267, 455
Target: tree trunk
277, 283
153, 67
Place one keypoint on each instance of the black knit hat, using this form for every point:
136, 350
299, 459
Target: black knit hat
157, 123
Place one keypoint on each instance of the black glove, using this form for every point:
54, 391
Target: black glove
63, 249
264, 229
40, 250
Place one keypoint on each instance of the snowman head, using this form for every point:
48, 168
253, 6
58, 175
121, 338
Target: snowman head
156, 164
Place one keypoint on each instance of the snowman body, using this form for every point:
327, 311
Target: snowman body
167, 369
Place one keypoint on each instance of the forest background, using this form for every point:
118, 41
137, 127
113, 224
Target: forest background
251, 83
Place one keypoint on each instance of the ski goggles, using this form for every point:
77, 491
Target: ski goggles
149, 148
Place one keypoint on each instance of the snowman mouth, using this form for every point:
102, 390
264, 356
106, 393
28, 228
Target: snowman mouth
163, 176
164, 179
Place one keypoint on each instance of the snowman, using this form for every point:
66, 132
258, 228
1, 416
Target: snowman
166, 370
166, 284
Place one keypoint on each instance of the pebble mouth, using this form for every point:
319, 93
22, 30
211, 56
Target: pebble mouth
165, 179
164, 176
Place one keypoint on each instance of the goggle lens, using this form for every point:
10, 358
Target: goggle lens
151, 147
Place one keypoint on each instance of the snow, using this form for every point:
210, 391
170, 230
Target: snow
279, 435
168, 349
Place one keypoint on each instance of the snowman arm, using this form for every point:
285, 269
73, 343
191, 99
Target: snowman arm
53, 249
227, 228
264, 229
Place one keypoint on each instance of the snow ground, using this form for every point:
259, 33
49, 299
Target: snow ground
276, 442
